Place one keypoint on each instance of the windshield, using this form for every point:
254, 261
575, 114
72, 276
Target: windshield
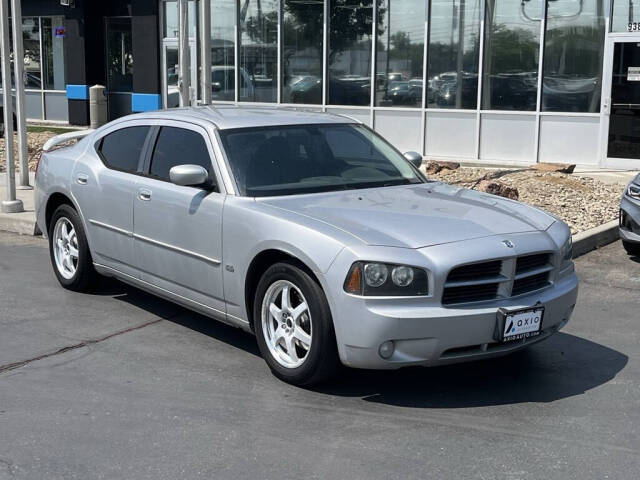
288, 160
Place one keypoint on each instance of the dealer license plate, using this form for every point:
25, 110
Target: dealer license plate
519, 324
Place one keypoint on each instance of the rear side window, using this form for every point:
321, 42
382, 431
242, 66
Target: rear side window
178, 146
121, 149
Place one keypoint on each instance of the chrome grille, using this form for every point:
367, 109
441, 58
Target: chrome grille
497, 279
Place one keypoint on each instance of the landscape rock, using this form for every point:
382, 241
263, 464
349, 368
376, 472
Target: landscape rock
499, 189
554, 167
434, 166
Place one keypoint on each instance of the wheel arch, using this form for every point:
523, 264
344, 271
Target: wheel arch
259, 264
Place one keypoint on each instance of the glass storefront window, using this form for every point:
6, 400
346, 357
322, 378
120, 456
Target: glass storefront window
511, 54
258, 51
626, 16
302, 51
53, 52
349, 62
171, 25
573, 56
31, 39
400, 53
454, 53
223, 62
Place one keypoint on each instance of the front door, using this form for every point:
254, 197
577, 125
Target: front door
171, 69
178, 229
622, 105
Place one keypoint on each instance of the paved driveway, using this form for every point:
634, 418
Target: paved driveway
119, 384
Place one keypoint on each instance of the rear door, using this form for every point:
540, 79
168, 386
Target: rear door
105, 189
178, 229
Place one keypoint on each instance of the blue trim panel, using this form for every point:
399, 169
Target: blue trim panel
144, 102
78, 92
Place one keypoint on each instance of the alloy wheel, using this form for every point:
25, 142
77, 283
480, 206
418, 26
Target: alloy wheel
286, 324
65, 248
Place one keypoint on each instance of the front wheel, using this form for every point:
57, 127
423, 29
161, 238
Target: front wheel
294, 327
69, 250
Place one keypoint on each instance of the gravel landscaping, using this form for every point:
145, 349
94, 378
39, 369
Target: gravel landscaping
35, 141
583, 203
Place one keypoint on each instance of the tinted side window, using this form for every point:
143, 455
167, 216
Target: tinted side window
121, 149
178, 146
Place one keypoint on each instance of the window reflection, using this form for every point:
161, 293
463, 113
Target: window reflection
53, 52
223, 64
302, 51
350, 25
574, 49
31, 39
626, 16
258, 50
171, 27
454, 52
511, 53
400, 52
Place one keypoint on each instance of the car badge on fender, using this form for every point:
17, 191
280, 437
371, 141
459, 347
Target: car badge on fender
508, 243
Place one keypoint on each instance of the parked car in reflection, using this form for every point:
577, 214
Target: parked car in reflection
630, 217
222, 85
307, 89
349, 90
309, 230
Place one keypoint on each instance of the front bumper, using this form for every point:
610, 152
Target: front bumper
630, 220
426, 333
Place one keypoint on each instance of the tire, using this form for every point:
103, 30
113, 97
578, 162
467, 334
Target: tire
276, 334
66, 226
631, 248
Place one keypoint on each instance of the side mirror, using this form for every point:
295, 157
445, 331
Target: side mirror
216, 86
414, 157
188, 175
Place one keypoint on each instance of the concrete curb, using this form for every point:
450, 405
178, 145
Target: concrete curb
593, 238
22, 223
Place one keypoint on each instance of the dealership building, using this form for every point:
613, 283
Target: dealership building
490, 81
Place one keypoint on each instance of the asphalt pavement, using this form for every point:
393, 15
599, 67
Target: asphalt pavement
120, 384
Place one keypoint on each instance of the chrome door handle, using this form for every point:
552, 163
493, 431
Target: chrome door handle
144, 195
82, 178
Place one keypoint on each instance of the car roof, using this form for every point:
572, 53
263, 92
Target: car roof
231, 116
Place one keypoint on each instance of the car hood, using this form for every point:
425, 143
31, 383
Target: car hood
416, 216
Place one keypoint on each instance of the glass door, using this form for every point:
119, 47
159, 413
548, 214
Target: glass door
119, 66
171, 69
622, 104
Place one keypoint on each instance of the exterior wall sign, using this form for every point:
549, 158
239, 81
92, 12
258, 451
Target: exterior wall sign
60, 32
633, 74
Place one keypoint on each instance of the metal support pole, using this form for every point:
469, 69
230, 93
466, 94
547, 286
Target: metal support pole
18, 56
11, 204
184, 75
205, 55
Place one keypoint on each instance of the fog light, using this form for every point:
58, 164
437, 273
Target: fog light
386, 350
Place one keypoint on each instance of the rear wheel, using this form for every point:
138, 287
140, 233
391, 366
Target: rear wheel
293, 326
632, 248
69, 250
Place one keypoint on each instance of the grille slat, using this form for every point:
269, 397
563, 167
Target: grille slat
475, 271
473, 293
532, 262
529, 284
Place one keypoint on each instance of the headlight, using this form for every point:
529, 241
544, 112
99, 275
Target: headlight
384, 279
567, 251
633, 190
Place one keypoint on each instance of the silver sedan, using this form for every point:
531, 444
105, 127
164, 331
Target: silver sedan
310, 231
